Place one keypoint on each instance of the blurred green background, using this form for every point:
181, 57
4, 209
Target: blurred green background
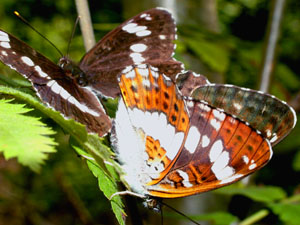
223, 40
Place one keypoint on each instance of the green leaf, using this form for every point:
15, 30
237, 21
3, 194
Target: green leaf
107, 185
212, 53
24, 137
288, 213
260, 194
217, 218
296, 162
99, 156
69, 125
286, 77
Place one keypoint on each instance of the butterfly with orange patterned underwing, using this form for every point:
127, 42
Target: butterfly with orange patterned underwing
170, 145
74, 89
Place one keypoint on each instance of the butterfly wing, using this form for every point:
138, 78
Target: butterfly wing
172, 146
150, 126
219, 150
220, 147
264, 112
188, 81
146, 38
53, 86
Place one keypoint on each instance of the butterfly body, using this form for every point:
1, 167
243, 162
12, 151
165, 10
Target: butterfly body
173, 146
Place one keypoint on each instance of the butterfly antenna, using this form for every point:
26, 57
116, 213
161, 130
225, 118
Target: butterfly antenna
28, 24
180, 213
72, 35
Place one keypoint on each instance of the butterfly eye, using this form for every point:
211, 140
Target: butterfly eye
81, 79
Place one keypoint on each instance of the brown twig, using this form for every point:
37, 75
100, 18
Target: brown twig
271, 44
85, 23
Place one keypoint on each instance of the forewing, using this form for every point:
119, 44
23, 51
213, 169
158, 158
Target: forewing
264, 112
145, 38
53, 86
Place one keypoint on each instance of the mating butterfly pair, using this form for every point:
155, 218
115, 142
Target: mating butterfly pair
72, 90
182, 142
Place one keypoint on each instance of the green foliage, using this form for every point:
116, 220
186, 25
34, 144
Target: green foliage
217, 218
296, 162
260, 194
98, 155
212, 53
107, 184
288, 213
225, 56
24, 137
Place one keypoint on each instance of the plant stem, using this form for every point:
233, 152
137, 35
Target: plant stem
292, 199
271, 42
85, 24
255, 217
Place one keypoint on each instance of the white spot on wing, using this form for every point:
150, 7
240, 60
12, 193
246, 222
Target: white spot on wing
137, 57
238, 106
192, 139
205, 141
133, 28
252, 166
55, 87
143, 33
144, 72
175, 145
219, 115
3, 34
4, 53
40, 72
5, 44
27, 61
215, 150
245, 159
64, 94
138, 47
221, 162
129, 26
269, 133
215, 124
146, 83
162, 37
231, 179
130, 74
185, 177
4, 38
274, 138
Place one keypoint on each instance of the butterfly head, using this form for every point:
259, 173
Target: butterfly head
73, 71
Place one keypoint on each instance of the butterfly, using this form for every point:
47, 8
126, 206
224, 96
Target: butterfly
170, 145
74, 89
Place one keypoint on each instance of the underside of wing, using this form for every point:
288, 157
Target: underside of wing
266, 113
150, 125
219, 150
188, 81
146, 38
